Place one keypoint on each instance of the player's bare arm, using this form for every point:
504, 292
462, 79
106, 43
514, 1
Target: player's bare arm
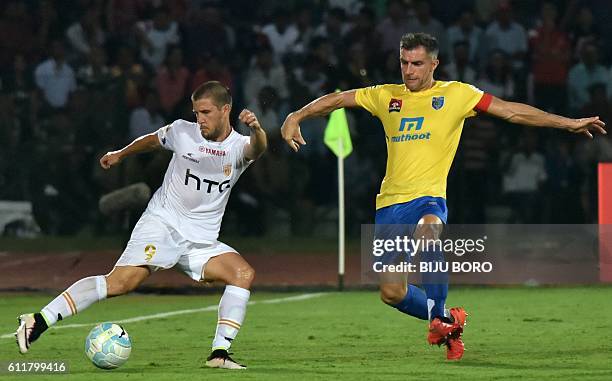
521, 113
290, 131
144, 143
259, 141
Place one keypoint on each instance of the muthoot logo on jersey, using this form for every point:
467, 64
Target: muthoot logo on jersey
411, 128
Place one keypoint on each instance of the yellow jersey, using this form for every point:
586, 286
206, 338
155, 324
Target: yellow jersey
422, 130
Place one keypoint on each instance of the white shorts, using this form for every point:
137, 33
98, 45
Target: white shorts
159, 246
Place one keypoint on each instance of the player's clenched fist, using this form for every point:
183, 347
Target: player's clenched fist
110, 159
248, 117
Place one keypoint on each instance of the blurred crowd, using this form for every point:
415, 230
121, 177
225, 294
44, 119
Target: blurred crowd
79, 78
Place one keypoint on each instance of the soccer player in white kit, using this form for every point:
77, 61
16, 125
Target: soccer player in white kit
181, 224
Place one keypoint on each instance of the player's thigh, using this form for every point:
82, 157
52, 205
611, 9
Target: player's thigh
215, 262
229, 268
123, 279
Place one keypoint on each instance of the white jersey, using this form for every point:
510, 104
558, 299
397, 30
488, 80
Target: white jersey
198, 181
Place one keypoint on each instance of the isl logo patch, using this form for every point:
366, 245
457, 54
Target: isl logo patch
437, 102
395, 105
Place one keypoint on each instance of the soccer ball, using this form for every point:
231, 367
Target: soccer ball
108, 346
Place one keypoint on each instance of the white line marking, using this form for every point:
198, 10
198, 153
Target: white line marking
183, 312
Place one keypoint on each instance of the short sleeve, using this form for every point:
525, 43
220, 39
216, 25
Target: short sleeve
167, 136
241, 161
369, 99
471, 96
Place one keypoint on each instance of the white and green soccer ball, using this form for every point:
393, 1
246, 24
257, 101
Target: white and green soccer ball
108, 346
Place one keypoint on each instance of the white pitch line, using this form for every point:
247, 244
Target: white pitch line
182, 312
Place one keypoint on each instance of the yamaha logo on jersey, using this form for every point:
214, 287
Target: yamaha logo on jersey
227, 169
437, 102
395, 105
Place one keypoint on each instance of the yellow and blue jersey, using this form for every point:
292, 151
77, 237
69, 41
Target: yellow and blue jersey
422, 130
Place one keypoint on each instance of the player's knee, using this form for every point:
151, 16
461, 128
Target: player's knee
428, 231
392, 295
243, 276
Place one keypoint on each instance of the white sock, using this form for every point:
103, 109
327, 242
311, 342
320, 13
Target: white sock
232, 309
75, 299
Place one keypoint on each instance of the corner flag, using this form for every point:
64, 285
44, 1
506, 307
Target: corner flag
337, 136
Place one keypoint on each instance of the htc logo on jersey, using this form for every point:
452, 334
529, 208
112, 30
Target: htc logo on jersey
220, 186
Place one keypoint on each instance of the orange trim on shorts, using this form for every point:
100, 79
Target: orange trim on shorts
70, 302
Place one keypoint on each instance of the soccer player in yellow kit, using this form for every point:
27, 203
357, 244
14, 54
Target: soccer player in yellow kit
423, 119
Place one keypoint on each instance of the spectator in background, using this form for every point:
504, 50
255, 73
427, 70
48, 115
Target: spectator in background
171, 82
497, 77
281, 33
19, 85
303, 23
477, 153
130, 75
460, 69
424, 22
263, 72
86, 33
584, 32
600, 150
308, 81
508, 36
334, 28
363, 30
357, 71
550, 56
265, 107
13, 183
465, 30
211, 68
393, 26
563, 184
121, 16
584, 74
146, 118
16, 37
55, 77
523, 178
155, 35
47, 26
205, 32
95, 74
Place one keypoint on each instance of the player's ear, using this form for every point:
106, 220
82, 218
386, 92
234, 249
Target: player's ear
435, 62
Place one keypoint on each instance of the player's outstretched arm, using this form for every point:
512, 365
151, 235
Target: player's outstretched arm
144, 143
259, 141
521, 113
322, 106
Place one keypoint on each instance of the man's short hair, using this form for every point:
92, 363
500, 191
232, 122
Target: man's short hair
412, 41
219, 94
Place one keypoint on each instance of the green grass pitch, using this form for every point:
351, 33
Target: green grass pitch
515, 333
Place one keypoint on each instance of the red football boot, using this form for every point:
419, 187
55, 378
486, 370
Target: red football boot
449, 333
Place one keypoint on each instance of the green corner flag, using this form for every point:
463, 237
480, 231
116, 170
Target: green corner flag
337, 136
